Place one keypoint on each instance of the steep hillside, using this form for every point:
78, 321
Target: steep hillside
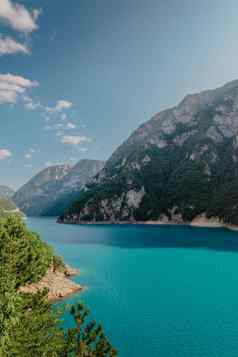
71, 185
178, 165
55, 188
7, 205
36, 194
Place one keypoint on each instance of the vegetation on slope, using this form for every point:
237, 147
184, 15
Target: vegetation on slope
180, 164
28, 324
7, 205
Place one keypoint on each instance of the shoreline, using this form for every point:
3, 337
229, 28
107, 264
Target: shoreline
199, 222
58, 283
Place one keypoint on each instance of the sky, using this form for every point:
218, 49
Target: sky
78, 76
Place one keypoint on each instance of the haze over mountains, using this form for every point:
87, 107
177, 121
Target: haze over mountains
180, 164
53, 189
6, 192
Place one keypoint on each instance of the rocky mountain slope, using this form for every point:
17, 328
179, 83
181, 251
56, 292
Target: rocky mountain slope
6, 191
54, 188
180, 164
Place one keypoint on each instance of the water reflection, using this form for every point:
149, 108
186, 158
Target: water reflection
138, 236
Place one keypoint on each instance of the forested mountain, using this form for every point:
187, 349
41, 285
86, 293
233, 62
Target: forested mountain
180, 164
55, 188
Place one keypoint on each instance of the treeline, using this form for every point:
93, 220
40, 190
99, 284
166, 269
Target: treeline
28, 324
199, 176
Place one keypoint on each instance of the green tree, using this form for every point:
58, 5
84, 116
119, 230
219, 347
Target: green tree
29, 326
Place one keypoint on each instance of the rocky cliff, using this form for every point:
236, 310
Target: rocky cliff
180, 164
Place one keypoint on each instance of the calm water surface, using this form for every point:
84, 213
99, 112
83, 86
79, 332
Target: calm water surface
161, 291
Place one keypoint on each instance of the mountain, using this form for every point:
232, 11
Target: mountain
6, 191
71, 185
55, 188
179, 165
7, 206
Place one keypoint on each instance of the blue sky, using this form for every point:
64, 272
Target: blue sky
78, 76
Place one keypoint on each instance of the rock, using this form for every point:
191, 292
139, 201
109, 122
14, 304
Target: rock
57, 283
185, 156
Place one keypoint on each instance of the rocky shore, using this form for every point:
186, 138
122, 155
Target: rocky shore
199, 221
58, 283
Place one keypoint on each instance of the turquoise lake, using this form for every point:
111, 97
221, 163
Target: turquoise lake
162, 291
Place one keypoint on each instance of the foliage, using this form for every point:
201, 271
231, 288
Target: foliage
27, 257
29, 326
86, 339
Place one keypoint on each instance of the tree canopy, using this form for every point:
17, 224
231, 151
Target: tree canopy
29, 326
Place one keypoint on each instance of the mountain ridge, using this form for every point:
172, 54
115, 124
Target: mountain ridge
180, 164
45, 193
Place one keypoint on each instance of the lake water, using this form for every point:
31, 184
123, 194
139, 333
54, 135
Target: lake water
161, 291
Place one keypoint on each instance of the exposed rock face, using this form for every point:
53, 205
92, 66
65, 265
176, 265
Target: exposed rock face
203, 221
57, 283
185, 157
56, 187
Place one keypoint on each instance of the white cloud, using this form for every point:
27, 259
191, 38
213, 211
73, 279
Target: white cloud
75, 140
9, 46
28, 156
18, 17
70, 126
30, 104
60, 106
5, 153
12, 86
83, 150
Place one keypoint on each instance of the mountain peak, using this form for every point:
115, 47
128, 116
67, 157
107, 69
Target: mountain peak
179, 164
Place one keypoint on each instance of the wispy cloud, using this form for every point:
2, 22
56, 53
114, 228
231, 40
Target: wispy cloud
70, 126
30, 104
9, 46
75, 139
28, 156
12, 86
18, 17
60, 106
5, 153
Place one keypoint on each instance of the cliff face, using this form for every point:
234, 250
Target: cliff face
51, 190
180, 164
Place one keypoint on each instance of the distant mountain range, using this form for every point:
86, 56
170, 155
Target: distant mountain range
6, 203
54, 189
180, 164
6, 191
